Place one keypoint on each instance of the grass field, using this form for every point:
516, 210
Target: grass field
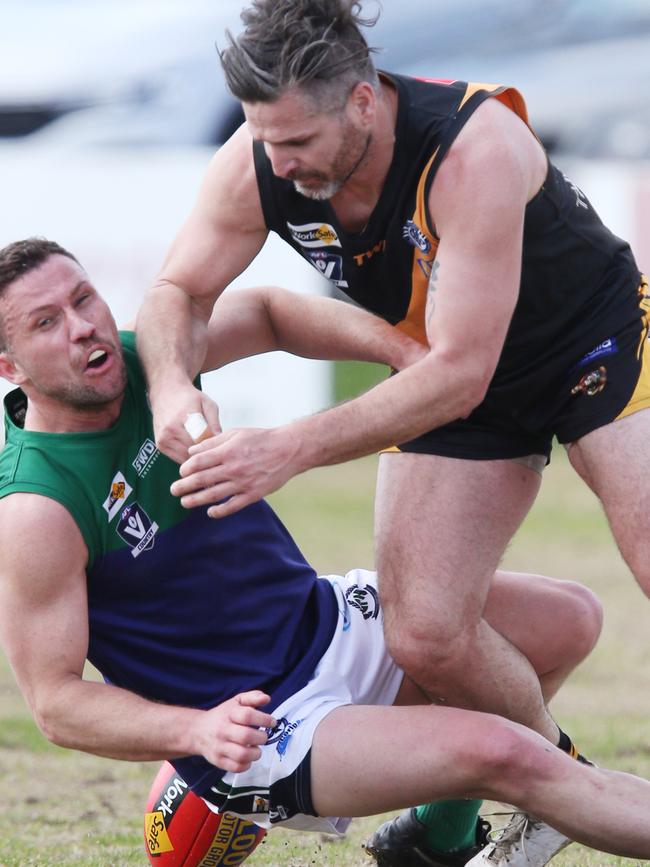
59, 808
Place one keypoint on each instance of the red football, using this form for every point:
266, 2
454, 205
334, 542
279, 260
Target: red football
180, 830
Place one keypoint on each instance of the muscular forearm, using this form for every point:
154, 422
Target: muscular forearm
428, 394
171, 335
253, 321
112, 722
318, 327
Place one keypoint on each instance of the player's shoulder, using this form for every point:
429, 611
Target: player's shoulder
491, 125
495, 143
27, 511
38, 533
234, 161
229, 190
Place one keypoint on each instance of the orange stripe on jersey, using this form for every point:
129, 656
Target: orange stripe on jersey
509, 96
413, 322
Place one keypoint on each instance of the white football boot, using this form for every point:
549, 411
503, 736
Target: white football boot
524, 842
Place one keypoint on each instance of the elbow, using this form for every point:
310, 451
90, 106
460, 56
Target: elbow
174, 297
469, 378
471, 394
49, 722
47, 726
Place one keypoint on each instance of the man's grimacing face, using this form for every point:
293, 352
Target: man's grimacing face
62, 341
318, 151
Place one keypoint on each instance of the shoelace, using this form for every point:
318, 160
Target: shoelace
503, 844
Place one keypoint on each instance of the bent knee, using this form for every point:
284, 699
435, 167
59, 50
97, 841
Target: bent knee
586, 616
510, 760
435, 650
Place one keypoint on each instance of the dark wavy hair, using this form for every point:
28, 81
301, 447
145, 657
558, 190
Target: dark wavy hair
313, 44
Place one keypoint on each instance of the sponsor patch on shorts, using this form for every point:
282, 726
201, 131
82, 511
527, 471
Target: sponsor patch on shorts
607, 347
281, 734
364, 599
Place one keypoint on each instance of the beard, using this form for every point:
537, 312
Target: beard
327, 189
85, 396
349, 156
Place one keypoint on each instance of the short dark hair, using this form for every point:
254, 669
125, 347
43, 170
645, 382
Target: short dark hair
21, 257
313, 44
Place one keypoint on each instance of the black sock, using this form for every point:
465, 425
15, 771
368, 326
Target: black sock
566, 745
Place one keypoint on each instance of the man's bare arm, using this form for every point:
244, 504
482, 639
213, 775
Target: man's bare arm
477, 200
44, 631
222, 235
265, 318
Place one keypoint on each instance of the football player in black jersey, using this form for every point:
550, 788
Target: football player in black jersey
434, 204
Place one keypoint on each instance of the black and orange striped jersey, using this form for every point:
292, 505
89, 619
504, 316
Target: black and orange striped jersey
579, 281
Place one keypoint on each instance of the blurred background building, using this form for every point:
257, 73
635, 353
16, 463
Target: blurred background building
109, 113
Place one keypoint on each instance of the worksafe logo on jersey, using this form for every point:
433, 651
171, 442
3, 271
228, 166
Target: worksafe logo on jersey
330, 266
137, 529
314, 235
120, 490
147, 455
364, 599
412, 233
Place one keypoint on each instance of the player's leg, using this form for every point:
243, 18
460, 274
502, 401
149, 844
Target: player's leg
442, 525
612, 461
361, 764
554, 624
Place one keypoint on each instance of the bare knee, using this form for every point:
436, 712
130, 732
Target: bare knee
430, 649
510, 761
585, 616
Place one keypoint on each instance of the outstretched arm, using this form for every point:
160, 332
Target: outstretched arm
44, 631
252, 321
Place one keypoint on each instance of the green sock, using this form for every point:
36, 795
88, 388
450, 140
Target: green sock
451, 825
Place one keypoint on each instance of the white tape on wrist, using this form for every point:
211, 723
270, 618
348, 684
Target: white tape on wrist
197, 427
